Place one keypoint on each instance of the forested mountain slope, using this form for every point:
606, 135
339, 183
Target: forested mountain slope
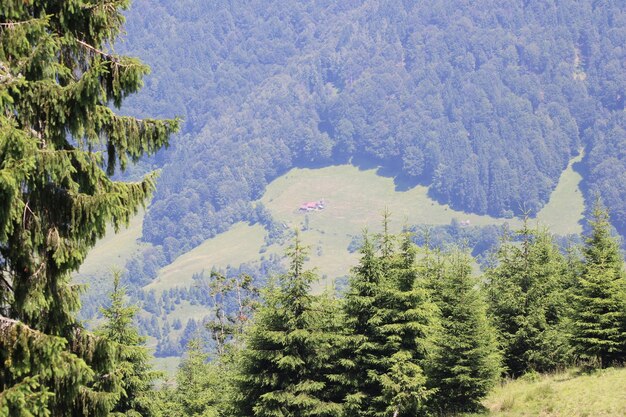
485, 102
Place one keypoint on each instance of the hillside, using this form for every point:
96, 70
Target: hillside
569, 394
353, 199
484, 103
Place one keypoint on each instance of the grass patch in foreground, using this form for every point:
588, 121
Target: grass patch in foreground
568, 394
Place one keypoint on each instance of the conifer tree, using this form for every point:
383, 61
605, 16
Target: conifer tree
203, 388
59, 143
410, 319
363, 356
599, 316
526, 293
284, 365
133, 360
466, 362
389, 318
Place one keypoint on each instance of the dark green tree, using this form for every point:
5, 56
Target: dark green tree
410, 317
363, 354
465, 362
284, 368
59, 143
203, 388
133, 359
599, 314
526, 292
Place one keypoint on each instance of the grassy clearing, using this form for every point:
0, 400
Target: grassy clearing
355, 199
567, 394
110, 253
564, 211
240, 244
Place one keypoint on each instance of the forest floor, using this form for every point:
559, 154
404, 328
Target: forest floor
568, 394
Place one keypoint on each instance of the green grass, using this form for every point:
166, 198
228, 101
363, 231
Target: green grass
114, 249
355, 199
567, 394
240, 244
564, 211
167, 365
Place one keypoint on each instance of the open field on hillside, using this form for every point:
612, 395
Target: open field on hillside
569, 394
354, 199
112, 251
564, 211
240, 244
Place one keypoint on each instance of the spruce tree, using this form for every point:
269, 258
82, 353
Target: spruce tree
599, 295
466, 361
59, 143
284, 365
363, 356
526, 291
410, 319
132, 360
203, 388
389, 318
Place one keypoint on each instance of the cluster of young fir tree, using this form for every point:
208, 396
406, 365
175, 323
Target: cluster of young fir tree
416, 335
390, 347
553, 311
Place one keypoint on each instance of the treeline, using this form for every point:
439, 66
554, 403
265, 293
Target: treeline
415, 333
485, 103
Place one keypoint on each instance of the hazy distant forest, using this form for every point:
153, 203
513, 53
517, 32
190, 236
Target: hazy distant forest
485, 102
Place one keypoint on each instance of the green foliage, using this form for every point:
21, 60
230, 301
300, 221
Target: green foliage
132, 366
389, 320
203, 389
59, 141
284, 368
526, 291
599, 295
508, 93
465, 363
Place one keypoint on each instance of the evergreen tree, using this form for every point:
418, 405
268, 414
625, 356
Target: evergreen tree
526, 293
59, 142
363, 355
410, 318
284, 366
599, 316
203, 388
466, 362
133, 360
389, 318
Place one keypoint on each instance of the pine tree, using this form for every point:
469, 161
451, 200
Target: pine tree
410, 319
526, 292
203, 388
599, 316
466, 362
59, 143
389, 318
284, 365
363, 356
133, 360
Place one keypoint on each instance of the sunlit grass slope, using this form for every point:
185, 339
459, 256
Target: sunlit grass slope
564, 211
354, 199
240, 244
112, 251
569, 394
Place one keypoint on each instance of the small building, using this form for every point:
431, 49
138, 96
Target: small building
312, 206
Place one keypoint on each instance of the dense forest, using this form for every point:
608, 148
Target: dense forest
484, 102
